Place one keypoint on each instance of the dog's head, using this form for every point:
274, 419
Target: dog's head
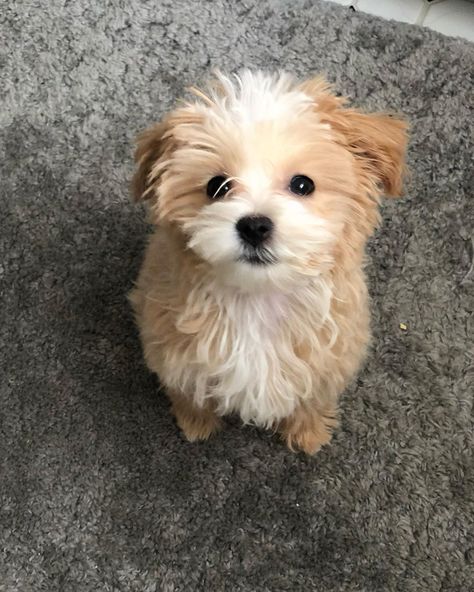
270, 181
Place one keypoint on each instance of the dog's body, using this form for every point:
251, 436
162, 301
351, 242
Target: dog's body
252, 298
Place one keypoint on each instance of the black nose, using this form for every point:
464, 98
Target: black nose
253, 230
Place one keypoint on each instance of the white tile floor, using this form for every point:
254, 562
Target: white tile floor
451, 17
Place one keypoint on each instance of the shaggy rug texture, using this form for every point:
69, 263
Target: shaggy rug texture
99, 492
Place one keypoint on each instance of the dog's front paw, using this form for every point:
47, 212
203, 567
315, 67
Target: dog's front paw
198, 427
196, 423
307, 430
308, 441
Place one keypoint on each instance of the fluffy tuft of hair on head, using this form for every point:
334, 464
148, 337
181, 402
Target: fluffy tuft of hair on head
248, 97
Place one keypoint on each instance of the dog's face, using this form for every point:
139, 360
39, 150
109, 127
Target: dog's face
267, 181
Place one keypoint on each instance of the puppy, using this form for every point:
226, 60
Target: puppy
252, 297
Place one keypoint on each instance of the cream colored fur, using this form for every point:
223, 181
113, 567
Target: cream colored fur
274, 343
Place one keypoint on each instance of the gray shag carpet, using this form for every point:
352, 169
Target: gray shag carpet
99, 492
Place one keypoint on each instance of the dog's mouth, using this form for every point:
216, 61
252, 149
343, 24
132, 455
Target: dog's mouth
258, 257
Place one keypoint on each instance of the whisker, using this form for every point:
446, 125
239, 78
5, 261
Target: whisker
226, 180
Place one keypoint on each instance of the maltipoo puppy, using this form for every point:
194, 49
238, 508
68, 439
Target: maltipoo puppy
252, 297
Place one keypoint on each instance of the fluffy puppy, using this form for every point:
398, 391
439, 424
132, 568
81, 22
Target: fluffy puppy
252, 297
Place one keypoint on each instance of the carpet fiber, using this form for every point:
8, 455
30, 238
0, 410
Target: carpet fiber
99, 492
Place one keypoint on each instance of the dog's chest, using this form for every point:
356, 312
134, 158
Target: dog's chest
250, 374
245, 359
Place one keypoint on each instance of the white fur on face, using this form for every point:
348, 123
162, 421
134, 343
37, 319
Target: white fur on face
298, 234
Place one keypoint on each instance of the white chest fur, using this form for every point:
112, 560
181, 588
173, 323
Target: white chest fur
241, 351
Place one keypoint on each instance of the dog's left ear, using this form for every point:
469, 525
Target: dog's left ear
378, 142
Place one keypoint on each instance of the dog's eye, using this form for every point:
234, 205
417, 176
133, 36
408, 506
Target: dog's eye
301, 185
218, 187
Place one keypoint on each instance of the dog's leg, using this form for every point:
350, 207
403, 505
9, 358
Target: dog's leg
308, 428
196, 423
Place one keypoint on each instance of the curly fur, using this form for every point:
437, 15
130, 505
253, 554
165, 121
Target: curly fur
275, 343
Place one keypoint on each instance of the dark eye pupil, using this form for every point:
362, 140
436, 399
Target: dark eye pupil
218, 187
301, 185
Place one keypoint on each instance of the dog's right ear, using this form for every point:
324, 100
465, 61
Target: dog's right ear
151, 145
156, 145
